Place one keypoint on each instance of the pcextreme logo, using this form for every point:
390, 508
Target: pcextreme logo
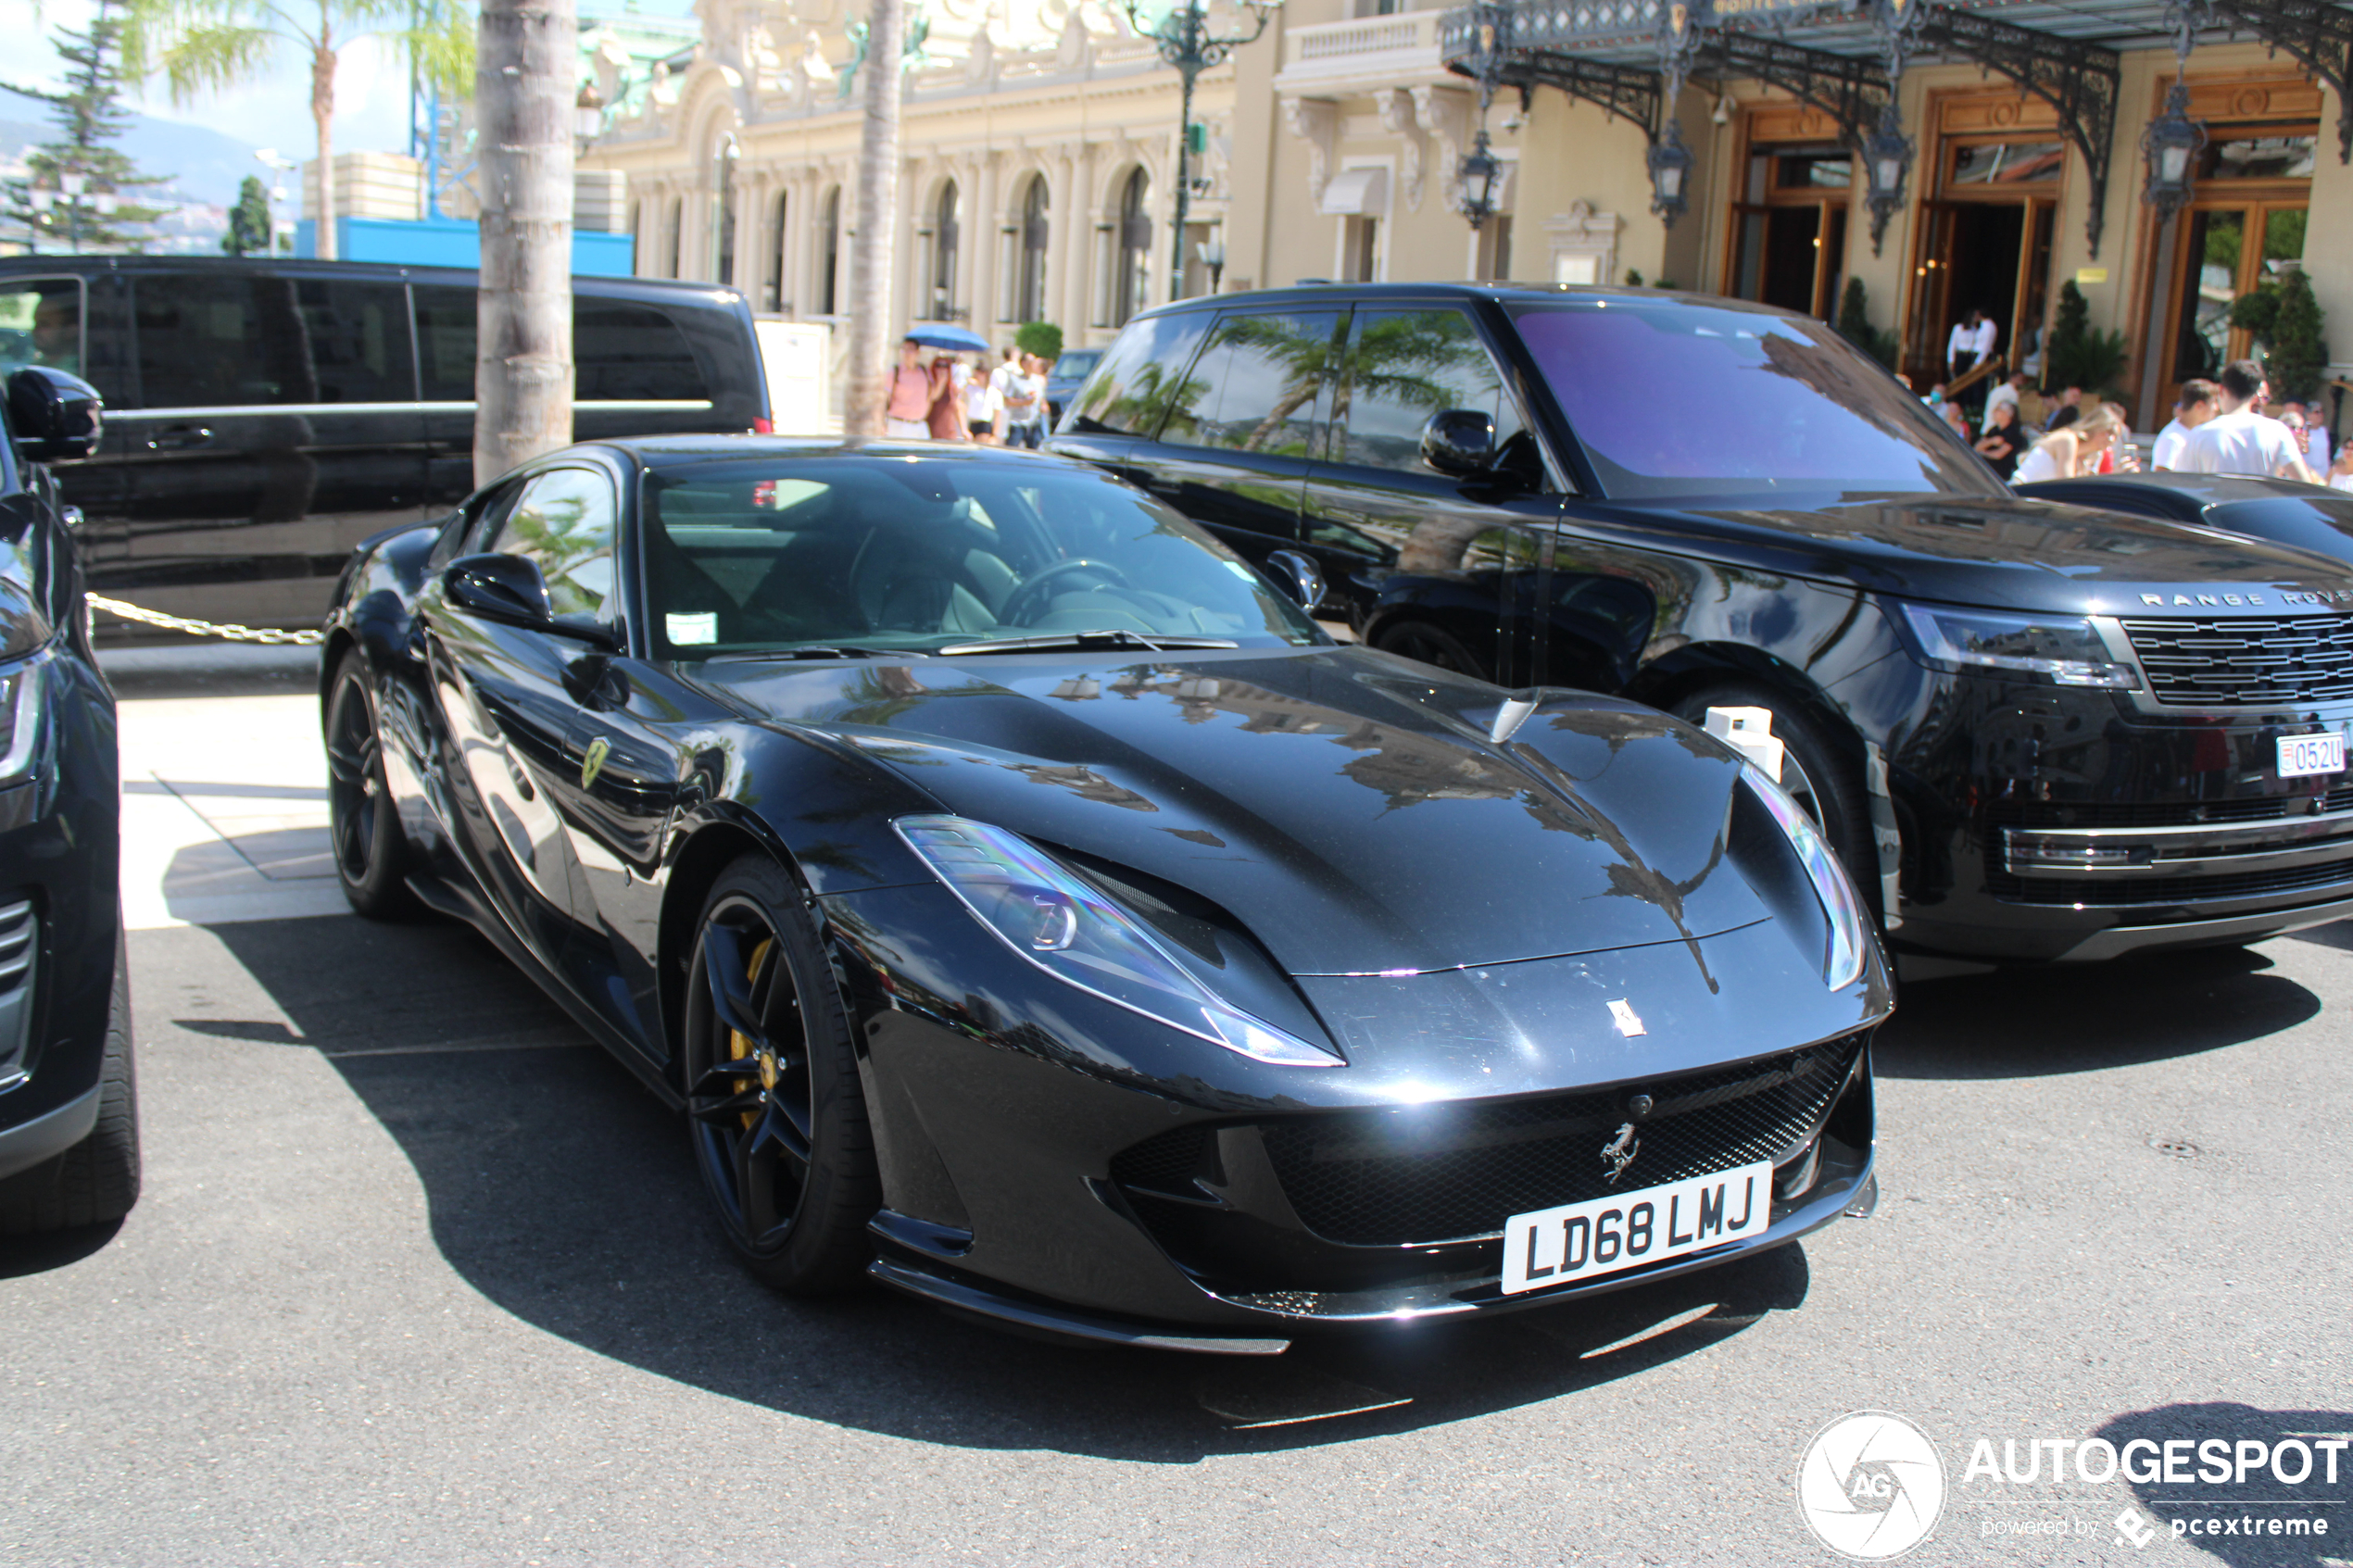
1871, 1486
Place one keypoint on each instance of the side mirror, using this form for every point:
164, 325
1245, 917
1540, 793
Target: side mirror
502, 587
1299, 576
1459, 443
54, 416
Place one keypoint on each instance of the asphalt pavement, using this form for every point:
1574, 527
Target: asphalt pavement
423, 1277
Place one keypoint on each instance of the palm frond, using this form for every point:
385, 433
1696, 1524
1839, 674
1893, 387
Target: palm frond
212, 56
444, 49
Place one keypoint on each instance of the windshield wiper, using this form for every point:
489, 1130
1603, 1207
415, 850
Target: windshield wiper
830, 651
1082, 642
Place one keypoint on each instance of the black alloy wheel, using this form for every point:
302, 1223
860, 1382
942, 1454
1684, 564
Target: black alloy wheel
1824, 786
372, 853
1431, 645
774, 1104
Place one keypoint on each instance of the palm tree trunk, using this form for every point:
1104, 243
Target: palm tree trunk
524, 99
322, 111
871, 248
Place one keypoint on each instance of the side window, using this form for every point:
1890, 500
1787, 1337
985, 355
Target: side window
630, 354
229, 341
1404, 365
563, 519
445, 342
1130, 389
41, 323
1255, 386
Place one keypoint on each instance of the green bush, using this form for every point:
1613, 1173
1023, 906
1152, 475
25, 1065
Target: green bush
1854, 325
2079, 356
1041, 338
2299, 353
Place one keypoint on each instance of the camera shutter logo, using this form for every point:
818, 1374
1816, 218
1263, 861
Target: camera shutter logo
1871, 1486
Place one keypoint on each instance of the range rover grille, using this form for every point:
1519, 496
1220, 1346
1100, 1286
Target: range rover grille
2271, 662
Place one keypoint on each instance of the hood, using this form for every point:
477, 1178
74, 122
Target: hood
2034, 555
1346, 806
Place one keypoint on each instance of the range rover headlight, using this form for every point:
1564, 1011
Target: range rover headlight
1850, 925
19, 718
1063, 926
2054, 649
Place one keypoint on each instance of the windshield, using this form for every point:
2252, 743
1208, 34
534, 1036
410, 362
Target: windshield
1077, 364
908, 554
1672, 399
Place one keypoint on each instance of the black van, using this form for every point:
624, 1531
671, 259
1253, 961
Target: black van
2033, 730
264, 416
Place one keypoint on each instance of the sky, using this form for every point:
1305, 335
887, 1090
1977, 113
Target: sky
371, 87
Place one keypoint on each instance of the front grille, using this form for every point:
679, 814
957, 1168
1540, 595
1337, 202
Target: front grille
2273, 663
2159, 814
1437, 1173
2122, 891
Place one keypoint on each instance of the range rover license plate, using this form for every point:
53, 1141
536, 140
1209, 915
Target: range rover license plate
2303, 756
1602, 1236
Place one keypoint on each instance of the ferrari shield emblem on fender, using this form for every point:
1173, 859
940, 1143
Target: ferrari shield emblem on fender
593, 763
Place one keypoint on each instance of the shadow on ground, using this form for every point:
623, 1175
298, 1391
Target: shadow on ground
564, 1193
2080, 1017
2234, 1520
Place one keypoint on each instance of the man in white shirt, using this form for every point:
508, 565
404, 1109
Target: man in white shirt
1971, 342
2240, 439
2004, 396
2194, 409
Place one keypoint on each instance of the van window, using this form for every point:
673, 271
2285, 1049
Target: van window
1255, 385
622, 353
41, 323
1404, 365
1128, 391
215, 341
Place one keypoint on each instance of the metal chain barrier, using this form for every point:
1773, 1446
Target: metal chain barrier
229, 629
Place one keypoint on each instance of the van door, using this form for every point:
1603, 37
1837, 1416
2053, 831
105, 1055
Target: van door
1242, 426
1437, 568
275, 427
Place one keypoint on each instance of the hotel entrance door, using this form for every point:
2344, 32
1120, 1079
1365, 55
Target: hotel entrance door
1985, 239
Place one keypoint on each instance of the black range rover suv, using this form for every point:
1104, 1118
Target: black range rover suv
2033, 730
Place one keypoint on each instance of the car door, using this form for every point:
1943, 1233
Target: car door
49, 320
1425, 561
1243, 426
501, 694
275, 427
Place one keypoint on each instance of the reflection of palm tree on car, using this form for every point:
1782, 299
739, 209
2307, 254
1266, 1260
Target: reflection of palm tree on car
550, 533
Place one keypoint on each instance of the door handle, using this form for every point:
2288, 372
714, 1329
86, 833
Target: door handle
180, 438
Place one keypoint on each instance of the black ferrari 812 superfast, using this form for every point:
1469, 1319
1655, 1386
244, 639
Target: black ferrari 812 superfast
1031, 907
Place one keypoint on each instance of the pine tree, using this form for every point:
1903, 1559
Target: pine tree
249, 221
88, 113
2299, 353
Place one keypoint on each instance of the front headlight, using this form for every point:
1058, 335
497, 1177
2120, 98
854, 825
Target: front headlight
2058, 650
1067, 928
19, 720
1841, 907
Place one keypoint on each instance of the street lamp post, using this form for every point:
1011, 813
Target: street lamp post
1212, 257
1187, 41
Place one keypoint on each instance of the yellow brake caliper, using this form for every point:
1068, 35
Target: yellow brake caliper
739, 1045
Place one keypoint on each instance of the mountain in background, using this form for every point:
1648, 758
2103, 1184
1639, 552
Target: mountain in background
196, 165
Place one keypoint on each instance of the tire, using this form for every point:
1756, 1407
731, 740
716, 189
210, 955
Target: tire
96, 1181
775, 1108
1812, 771
372, 853
1431, 644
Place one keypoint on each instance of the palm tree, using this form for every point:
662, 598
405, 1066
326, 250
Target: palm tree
870, 247
211, 45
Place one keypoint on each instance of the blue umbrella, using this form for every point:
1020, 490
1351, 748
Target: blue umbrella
958, 340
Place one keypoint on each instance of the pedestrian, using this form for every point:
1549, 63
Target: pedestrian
1971, 343
945, 416
2341, 472
984, 408
2072, 450
907, 398
1026, 404
2006, 395
2241, 439
2192, 408
2120, 457
2003, 439
2309, 420
1955, 420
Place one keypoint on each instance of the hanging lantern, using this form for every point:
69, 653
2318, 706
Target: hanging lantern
1482, 174
2171, 145
1670, 163
1887, 161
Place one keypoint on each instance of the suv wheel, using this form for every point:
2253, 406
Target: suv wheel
1812, 773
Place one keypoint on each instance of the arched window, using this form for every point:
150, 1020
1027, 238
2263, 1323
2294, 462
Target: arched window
1029, 303
829, 256
1132, 275
723, 211
944, 239
677, 235
775, 299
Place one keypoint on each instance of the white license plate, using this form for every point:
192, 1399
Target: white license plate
2303, 756
1602, 1236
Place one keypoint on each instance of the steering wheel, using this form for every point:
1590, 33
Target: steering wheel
1017, 606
